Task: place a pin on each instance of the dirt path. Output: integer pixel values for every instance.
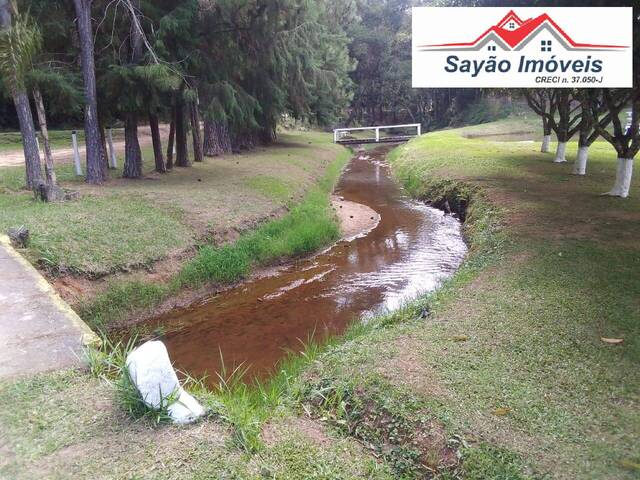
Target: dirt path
(12, 158)
(38, 331)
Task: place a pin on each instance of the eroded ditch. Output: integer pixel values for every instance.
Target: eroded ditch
(411, 250)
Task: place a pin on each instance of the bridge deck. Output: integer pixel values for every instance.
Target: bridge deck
(356, 141)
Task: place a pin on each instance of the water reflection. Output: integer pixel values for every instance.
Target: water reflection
(410, 251)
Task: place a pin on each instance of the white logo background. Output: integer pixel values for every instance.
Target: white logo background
(584, 25)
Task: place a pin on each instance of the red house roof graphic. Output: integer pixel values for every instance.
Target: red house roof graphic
(512, 33)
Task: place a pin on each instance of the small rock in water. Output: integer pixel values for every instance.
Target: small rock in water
(153, 375)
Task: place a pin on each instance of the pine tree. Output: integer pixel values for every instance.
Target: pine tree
(96, 167)
(19, 42)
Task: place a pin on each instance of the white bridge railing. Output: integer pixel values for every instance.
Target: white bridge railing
(340, 133)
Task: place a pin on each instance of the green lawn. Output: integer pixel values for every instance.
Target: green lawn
(128, 223)
(74, 429)
(510, 359)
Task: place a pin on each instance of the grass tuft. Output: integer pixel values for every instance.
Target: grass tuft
(120, 298)
(307, 227)
(108, 362)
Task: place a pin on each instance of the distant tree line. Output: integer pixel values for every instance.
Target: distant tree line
(237, 66)
(381, 45)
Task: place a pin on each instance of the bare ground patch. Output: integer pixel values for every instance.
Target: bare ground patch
(75, 428)
(308, 428)
(406, 367)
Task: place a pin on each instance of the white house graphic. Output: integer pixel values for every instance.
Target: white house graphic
(512, 33)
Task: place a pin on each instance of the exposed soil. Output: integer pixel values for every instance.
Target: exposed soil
(356, 219)
(76, 289)
(406, 368)
(305, 426)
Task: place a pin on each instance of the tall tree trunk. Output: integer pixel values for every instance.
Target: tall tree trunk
(580, 165)
(50, 175)
(624, 172)
(96, 171)
(161, 167)
(212, 141)
(266, 135)
(132, 153)
(195, 133)
(586, 127)
(225, 137)
(29, 144)
(182, 153)
(172, 136)
(546, 135)
(103, 140)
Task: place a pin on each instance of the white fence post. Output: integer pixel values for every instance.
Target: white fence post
(377, 134)
(419, 129)
(335, 136)
(113, 163)
(76, 154)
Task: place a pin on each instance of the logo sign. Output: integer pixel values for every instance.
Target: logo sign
(522, 47)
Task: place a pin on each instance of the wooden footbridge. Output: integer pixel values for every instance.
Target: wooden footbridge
(381, 134)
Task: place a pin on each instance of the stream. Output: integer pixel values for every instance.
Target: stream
(411, 250)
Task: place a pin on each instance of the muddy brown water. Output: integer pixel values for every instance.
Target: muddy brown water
(412, 249)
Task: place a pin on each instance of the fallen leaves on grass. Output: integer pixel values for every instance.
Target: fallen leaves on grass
(460, 338)
(502, 411)
(630, 465)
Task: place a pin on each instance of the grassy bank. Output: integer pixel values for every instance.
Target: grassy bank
(305, 228)
(131, 230)
(74, 429)
(132, 223)
(508, 371)
(500, 374)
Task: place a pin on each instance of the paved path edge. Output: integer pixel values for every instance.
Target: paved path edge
(89, 337)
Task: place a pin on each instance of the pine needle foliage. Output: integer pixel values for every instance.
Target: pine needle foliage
(18, 46)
